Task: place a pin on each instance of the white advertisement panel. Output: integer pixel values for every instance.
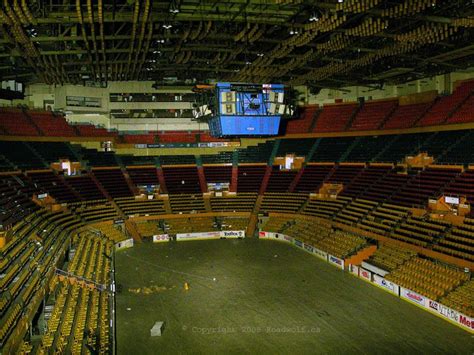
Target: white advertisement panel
(385, 284)
(287, 238)
(320, 254)
(232, 234)
(354, 269)
(336, 261)
(365, 274)
(413, 296)
(451, 314)
(275, 236)
(124, 244)
(158, 238)
(210, 235)
(308, 248)
(298, 243)
(203, 235)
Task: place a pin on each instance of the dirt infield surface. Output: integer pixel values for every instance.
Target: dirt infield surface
(263, 297)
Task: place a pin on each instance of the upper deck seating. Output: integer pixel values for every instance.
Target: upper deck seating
(334, 118)
(16, 123)
(372, 115)
(406, 116)
(52, 125)
(303, 123)
(446, 105)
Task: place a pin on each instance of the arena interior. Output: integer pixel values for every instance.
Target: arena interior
(241, 176)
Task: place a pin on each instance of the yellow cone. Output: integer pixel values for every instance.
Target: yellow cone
(186, 286)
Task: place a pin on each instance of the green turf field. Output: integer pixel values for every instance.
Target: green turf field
(268, 298)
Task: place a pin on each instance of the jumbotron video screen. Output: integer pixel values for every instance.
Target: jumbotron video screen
(245, 109)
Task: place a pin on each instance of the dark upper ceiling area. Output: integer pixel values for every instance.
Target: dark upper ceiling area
(330, 43)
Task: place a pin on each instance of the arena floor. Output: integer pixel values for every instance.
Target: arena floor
(267, 297)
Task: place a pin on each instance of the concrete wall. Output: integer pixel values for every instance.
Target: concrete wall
(38, 94)
(442, 83)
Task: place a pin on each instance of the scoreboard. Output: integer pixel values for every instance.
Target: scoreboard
(247, 109)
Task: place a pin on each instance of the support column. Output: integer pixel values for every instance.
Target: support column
(266, 177)
(161, 180)
(202, 179)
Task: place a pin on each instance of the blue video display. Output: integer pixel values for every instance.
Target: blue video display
(245, 125)
(247, 109)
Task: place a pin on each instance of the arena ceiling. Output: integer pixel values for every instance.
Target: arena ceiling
(330, 43)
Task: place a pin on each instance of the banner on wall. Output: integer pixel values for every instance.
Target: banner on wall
(451, 314)
(365, 274)
(203, 235)
(276, 236)
(413, 296)
(320, 254)
(187, 145)
(270, 235)
(354, 269)
(388, 285)
(336, 261)
(210, 235)
(124, 244)
(308, 248)
(287, 238)
(161, 238)
(232, 234)
(298, 243)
